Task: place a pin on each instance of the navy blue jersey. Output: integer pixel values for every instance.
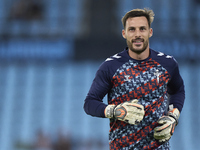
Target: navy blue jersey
(155, 82)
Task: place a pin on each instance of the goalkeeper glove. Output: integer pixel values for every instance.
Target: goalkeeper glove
(130, 112)
(168, 123)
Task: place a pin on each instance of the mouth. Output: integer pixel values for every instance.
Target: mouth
(137, 41)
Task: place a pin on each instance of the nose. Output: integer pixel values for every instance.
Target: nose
(137, 33)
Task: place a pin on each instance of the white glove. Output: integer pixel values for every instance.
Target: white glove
(168, 123)
(130, 112)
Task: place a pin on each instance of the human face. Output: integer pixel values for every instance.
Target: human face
(137, 34)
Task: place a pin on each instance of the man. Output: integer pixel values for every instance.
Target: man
(145, 90)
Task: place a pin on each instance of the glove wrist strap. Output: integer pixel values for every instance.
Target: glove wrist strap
(174, 114)
(109, 111)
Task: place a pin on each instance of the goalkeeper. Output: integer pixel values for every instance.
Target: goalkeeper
(144, 88)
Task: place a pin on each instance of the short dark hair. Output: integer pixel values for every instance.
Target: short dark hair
(149, 14)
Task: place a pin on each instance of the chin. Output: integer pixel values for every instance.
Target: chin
(137, 50)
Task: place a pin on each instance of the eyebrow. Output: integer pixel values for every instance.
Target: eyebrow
(131, 27)
(143, 26)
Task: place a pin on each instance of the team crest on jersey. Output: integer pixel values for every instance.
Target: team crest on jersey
(157, 74)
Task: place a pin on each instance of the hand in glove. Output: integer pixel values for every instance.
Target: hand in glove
(167, 125)
(130, 112)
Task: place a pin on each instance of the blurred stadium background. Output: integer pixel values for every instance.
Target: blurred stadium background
(50, 51)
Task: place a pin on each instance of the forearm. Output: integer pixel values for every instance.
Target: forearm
(94, 107)
(177, 99)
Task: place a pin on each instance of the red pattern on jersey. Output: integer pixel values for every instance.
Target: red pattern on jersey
(131, 90)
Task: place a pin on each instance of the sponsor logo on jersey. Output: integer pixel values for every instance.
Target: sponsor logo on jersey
(127, 78)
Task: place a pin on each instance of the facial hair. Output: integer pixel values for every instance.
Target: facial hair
(137, 51)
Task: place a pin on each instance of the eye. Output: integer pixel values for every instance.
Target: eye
(131, 29)
(142, 28)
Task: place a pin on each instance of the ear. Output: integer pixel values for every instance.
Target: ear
(123, 34)
(151, 32)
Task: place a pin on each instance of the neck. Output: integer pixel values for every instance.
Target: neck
(140, 56)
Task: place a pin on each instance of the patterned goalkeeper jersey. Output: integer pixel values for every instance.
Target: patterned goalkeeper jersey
(155, 82)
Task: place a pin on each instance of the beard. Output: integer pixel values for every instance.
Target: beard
(137, 50)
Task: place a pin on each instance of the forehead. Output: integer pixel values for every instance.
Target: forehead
(136, 22)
